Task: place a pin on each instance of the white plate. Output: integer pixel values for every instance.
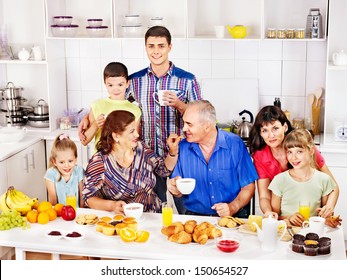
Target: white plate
(98, 233)
(307, 257)
(74, 238)
(226, 228)
(191, 244)
(54, 237)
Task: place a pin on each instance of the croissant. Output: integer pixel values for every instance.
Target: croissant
(189, 226)
(181, 237)
(200, 237)
(172, 229)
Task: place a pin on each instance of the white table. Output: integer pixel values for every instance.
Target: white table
(157, 247)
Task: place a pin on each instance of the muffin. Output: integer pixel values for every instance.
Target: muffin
(114, 223)
(311, 242)
(108, 229)
(130, 223)
(298, 237)
(298, 245)
(312, 236)
(119, 226)
(118, 218)
(324, 246)
(311, 250)
(106, 219)
(99, 225)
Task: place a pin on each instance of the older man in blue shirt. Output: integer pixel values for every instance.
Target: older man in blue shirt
(218, 160)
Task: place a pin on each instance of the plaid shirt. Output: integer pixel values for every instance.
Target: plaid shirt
(158, 122)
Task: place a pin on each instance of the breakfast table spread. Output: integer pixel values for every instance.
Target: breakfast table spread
(96, 244)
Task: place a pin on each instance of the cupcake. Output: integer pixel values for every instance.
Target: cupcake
(298, 237)
(311, 236)
(324, 245)
(114, 223)
(311, 242)
(106, 219)
(298, 245)
(324, 240)
(99, 225)
(311, 250)
(119, 226)
(118, 218)
(130, 223)
(108, 229)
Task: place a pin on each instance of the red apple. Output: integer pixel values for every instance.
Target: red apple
(68, 213)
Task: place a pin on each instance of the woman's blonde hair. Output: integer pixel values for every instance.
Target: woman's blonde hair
(61, 143)
(301, 138)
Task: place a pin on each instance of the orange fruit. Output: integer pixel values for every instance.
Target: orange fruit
(44, 206)
(127, 234)
(52, 214)
(58, 207)
(32, 216)
(43, 218)
(142, 236)
(119, 227)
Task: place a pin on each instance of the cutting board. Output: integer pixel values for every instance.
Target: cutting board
(231, 96)
(246, 228)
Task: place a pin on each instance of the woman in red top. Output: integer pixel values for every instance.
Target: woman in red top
(265, 143)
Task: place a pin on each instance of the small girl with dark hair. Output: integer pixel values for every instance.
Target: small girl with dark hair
(303, 182)
(63, 177)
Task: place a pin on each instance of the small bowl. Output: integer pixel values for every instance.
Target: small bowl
(64, 31)
(228, 243)
(94, 22)
(132, 19)
(62, 20)
(97, 31)
(185, 185)
(133, 210)
(132, 30)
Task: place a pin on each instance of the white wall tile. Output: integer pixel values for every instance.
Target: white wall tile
(135, 64)
(223, 49)
(72, 48)
(91, 74)
(199, 49)
(88, 97)
(246, 69)
(317, 51)
(223, 68)
(246, 50)
(265, 100)
(295, 105)
(133, 48)
(110, 48)
(293, 78)
(90, 48)
(315, 76)
(75, 99)
(293, 50)
(201, 68)
(270, 50)
(179, 49)
(182, 63)
(270, 78)
(73, 73)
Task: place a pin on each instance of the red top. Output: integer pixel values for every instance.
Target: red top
(268, 167)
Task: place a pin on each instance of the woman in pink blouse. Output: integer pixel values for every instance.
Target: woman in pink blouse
(265, 143)
(122, 171)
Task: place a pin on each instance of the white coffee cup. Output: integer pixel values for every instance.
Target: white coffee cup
(219, 29)
(314, 224)
(185, 185)
(160, 96)
(133, 210)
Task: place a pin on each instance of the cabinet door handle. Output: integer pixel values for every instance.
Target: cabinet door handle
(32, 159)
(26, 165)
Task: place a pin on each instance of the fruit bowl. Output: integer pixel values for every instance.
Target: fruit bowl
(94, 22)
(228, 243)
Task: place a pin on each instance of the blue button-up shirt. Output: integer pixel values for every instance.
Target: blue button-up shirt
(229, 169)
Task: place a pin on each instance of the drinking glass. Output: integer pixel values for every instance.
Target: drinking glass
(71, 199)
(304, 209)
(167, 213)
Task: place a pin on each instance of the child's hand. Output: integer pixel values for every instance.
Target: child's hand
(100, 120)
(325, 212)
(296, 219)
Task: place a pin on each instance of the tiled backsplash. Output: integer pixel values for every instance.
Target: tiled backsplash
(287, 69)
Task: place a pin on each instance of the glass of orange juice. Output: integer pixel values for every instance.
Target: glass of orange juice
(71, 199)
(304, 209)
(167, 213)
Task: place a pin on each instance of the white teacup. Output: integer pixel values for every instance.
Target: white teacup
(315, 224)
(133, 210)
(185, 185)
(160, 96)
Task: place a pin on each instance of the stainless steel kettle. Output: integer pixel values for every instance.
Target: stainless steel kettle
(245, 127)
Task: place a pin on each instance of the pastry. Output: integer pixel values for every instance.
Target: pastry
(298, 245)
(200, 237)
(99, 226)
(108, 229)
(118, 217)
(224, 221)
(311, 236)
(311, 250)
(189, 226)
(106, 219)
(181, 237)
(172, 229)
(231, 224)
(119, 226)
(310, 242)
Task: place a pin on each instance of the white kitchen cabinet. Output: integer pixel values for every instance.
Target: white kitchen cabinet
(25, 171)
(337, 163)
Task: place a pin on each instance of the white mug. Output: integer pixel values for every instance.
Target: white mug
(160, 96)
(314, 224)
(219, 29)
(37, 53)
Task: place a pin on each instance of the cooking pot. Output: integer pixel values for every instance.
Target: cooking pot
(245, 127)
(10, 104)
(11, 92)
(41, 108)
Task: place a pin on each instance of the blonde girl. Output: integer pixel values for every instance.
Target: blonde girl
(302, 182)
(63, 176)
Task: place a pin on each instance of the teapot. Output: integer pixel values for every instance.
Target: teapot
(268, 234)
(340, 58)
(238, 31)
(245, 127)
(23, 54)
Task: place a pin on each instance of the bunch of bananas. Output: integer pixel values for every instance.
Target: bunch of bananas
(16, 200)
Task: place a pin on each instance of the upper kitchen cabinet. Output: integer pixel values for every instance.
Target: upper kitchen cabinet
(80, 11)
(335, 124)
(285, 14)
(204, 15)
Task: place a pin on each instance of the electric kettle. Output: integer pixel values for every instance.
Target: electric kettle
(245, 127)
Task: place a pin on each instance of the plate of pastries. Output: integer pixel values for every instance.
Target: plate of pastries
(191, 232)
(229, 222)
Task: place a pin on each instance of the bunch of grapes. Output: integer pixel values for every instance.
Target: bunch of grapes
(12, 219)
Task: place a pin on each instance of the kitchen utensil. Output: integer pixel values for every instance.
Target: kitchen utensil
(318, 94)
(11, 92)
(41, 108)
(245, 127)
(311, 99)
(314, 24)
(238, 31)
(268, 234)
